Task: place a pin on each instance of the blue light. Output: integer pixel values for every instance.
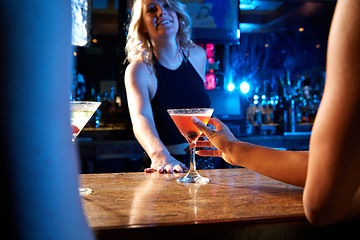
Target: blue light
(246, 6)
(230, 87)
(238, 33)
(244, 87)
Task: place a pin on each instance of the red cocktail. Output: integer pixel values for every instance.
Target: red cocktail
(182, 119)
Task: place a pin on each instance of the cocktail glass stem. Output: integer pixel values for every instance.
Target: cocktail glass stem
(192, 170)
(192, 159)
(193, 176)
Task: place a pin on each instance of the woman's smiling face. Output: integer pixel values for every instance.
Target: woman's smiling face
(159, 19)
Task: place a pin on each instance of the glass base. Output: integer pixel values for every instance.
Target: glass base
(194, 177)
(85, 191)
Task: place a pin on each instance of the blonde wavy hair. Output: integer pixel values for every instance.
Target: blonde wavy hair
(138, 45)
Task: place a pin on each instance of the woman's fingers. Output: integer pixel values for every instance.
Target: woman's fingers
(169, 168)
(177, 168)
(150, 170)
(160, 169)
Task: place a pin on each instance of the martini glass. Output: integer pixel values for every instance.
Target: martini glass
(81, 113)
(182, 119)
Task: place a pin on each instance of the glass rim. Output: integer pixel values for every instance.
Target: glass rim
(199, 109)
(84, 105)
(85, 102)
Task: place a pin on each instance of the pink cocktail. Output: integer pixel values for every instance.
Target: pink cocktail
(182, 119)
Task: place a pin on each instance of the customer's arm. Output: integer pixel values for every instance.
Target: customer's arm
(139, 90)
(286, 166)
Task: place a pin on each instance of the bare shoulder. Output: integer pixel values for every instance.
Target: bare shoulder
(197, 54)
(138, 71)
(138, 68)
(140, 78)
(197, 57)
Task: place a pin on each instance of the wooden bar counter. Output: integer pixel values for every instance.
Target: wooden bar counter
(236, 204)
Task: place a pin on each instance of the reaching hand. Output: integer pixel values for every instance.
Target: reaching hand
(168, 165)
(221, 139)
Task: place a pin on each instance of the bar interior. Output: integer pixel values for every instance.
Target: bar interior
(265, 74)
(264, 68)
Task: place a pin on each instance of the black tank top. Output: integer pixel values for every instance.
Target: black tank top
(180, 88)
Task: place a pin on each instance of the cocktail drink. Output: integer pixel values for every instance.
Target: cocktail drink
(81, 113)
(182, 119)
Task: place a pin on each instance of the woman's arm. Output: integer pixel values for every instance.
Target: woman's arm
(139, 90)
(332, 187)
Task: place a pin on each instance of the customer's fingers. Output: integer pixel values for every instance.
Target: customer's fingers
(209, 153)
(201, 126)
(204, 144)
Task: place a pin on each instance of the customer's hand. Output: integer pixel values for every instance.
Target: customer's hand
(221, 139)
(166, 165)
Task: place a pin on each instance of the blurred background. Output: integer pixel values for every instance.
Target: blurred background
(265, 72)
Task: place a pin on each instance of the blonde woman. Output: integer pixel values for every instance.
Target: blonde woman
(166, 71)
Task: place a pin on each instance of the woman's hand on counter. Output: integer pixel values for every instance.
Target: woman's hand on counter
(166, 165)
